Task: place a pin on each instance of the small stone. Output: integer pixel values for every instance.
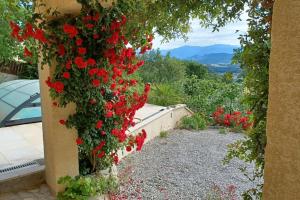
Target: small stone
(25, 195)
(34, 190)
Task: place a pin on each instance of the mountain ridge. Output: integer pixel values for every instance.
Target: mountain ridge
(187, 51)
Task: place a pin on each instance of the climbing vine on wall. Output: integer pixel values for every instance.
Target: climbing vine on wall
(254, 59)
(93, 57)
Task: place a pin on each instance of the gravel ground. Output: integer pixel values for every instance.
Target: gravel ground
(185, 165)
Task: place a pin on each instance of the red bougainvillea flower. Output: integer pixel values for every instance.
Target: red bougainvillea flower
(147, 88)
(96, 17)
(89, 26)
(15, 31)
(133, 82)
(28, 31)
(81, 64)
(58, 86)
(27, 53)
(93, 71)
(237, 113)
(91, 62)
(109, 114)
(79, 141)
(96, 83)
(40, 35)
(79, 42)
(70, 30)
(66, 75)
(140, 139)
(61, 50)
(116, 159)
(96, 36)
(62, 122)
(109, 105)
(82, 51)
(99, 124)
(123, 21)
(113, 86)
(69, 64)
(102, 143)
(115, 25)
(113, 39)
(101, 155)
(128, 148)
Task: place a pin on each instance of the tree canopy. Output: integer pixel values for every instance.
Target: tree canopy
(16, 10)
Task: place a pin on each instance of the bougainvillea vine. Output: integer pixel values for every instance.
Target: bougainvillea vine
(93, 60)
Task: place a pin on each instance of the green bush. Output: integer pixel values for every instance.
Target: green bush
(194, 122)
(165, 95)
(223, 130)
(84, 187)
(163, 134)
(159, 69)
(196, 69)
(206, 95)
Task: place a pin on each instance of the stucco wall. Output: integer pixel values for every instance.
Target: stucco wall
(282, 170)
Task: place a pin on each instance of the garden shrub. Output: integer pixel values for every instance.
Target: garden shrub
(206, 95)
(165, 95)
(81, 188)
(236, 120)
(163, 134)
(196, 69)
(159, 69)
(194, 122)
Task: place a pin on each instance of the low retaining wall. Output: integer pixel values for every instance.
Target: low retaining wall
(163, 120)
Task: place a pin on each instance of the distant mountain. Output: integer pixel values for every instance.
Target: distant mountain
(216, 57)
(186, 52)
(213, 58)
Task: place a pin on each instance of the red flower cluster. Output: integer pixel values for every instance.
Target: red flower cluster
(236, 119)
(93, 67)
(70, 30)
(137, 141)
(58, 86)
(28, 32)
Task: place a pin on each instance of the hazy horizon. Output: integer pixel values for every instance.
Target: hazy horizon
(200, 36)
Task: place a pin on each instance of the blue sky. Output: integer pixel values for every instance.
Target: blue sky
(203, 37)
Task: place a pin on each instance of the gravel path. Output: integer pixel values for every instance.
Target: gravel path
(185, 165)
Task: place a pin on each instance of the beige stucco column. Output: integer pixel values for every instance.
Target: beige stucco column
(61, 154)
(282, 169)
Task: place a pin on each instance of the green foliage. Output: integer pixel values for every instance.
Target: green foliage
(163, 134)
(254, 59)
(194, 122)
(16, 10)
(228, 77)
(196, 69)
(171, 19)
(223, 130)
(81, 188)
(159, 69)
(29, 71)
(165, 95)
(206, 95)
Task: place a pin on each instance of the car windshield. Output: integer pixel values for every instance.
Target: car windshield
(19, 102)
